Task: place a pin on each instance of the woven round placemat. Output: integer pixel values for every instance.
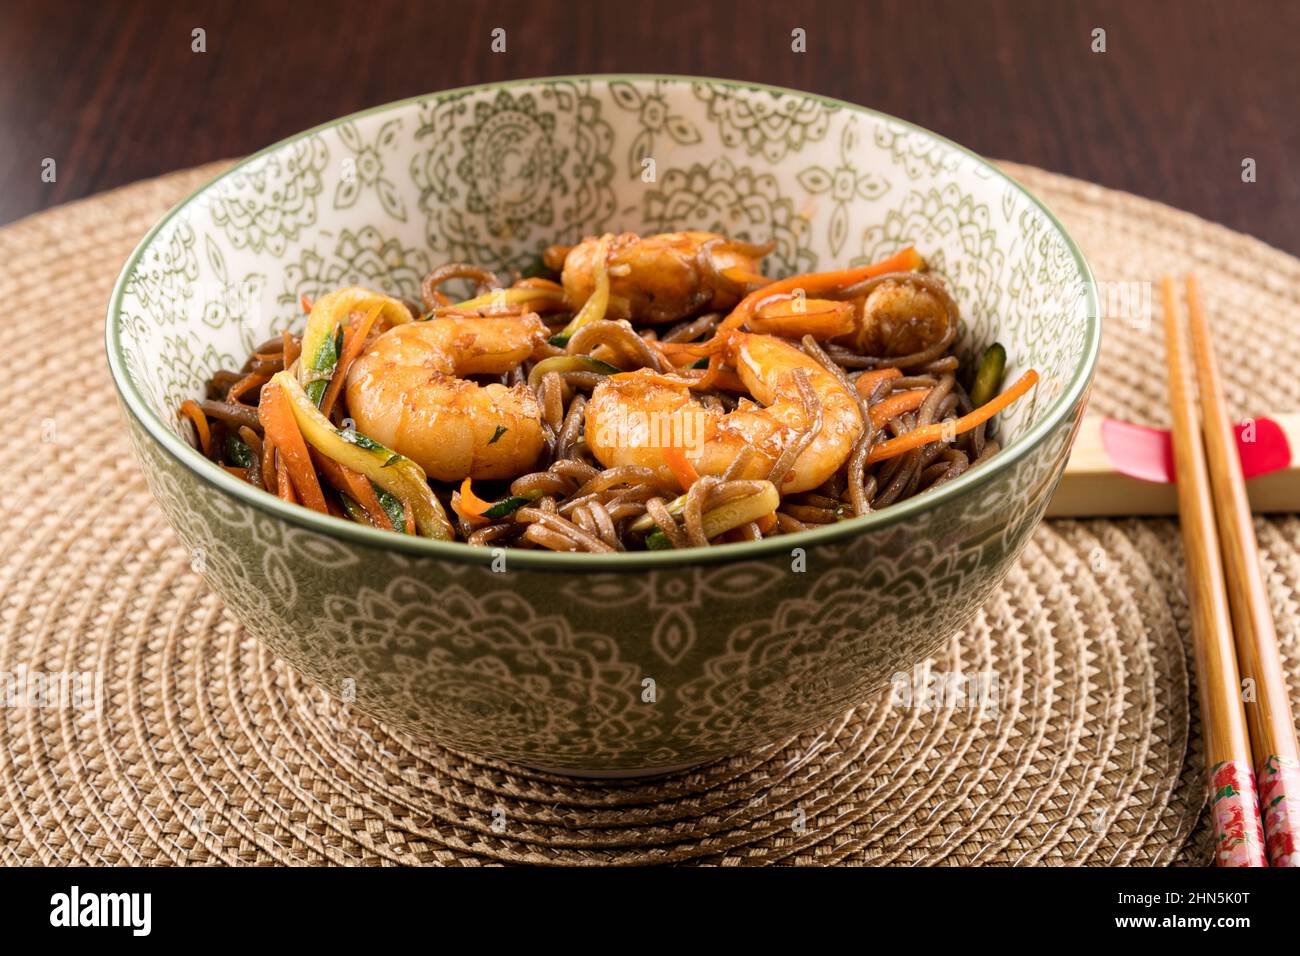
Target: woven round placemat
(205, 749)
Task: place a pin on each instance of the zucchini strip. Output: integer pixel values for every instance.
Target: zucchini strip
(502, 300)
(988, 380)
(569, 363)
(731, 514)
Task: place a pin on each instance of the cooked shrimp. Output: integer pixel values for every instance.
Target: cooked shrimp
(901, 315)
(408, 391)
(659, 278)
(893, 315)
(632, 417)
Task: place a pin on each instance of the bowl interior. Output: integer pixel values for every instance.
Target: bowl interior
(493, 174)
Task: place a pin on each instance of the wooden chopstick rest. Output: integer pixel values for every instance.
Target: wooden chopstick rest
(1118, 469)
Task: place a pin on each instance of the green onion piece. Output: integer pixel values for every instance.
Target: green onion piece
(732, 514)
(237, 453)
(656, 540)
(506, 506)
(394, 473)
(988, 380)
(569, 363)
(496, 435)
(700, 363)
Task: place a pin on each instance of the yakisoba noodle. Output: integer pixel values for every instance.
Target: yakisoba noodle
(654, 392)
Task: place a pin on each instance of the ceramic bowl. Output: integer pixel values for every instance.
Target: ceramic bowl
(588, 664)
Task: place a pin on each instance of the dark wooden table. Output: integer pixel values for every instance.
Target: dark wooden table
(1183, 94)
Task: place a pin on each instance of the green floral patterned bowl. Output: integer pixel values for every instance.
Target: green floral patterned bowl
(585, 663)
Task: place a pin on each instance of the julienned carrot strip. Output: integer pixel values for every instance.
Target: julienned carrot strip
(905, 260)
(942, 431)
(355, 486)
(469, 505)
(291, 348)
(682, 469)
(538, 282)
(283, 485)
(190, 409)
(269, 474)
(867, 381)
(354, 342)
(278, 422)
(890, 408)
(767, 522)
(408, 517)
(787, 315)
(363, 493)
(305, 303)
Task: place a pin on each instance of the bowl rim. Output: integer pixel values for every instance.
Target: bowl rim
(545, 560)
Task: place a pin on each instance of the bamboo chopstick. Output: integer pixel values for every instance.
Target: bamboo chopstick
(1268, 705)
(1238, 831)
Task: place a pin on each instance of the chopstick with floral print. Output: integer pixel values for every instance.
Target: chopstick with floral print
(1267, 703)
(1234, 807)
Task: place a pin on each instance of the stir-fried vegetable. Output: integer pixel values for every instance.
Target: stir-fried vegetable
(282, 425)
(352, 343)
(681, 467)
(322, 340)
(477, 511)
(539, 297)
(191, 410)
(988, 379)
(238, 453)
(361, 491)
(394, 473)
(730, 514)
(945, 431)
(569, 363)
(890, 408)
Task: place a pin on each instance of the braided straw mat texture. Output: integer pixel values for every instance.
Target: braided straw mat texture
(208, 750)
